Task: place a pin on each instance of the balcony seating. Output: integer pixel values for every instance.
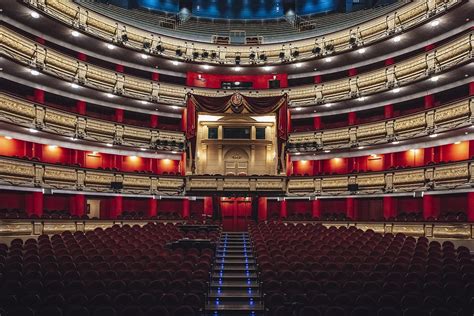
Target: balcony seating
(315, 270)
(273, 31)
(117, 271)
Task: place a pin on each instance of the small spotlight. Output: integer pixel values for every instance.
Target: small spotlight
(8, 137)
(456, 143)
(109, 145)
(175, 63)
(433, 135)
(34, 72)
(142, 149)
(32, 130)
(327, 151)
(360, 99)
(298, 65)
(174, 107)
(34, 15)
(360, 147)
(75, 33)
(328, 105)
(109, 95)
(73, 139)
(397, 38)
(396, 142)
(174, 152)
(361, 51)
(396, 90)
(328, 59)
(144, 56)
(237, 83)
(298, 109)
(237, 68)
(110, 46)
(207, 67)
(434, 79)
(434, 23)
(267, 68)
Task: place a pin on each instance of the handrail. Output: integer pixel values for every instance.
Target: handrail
(25, 113)
(450, 116)
(446, 56)
(108, 29)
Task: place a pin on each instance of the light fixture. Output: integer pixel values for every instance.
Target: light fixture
(360, 99)
(108, 145)
(328, 59)
(456, 143)
(8, 137)
(360, 147)
(34, 72)
(74, 86)
(434, 135)
(34, 14)
(175, 62)
(143, 102)
(52, 146)
(298, 109)
(110, 46)
(397, 38)
(75, 33)
(297, 154)
(434, 23)
(142, 149)
(267, 68)
(395, 142)
(95, 153)
(144, 56)
(32, 130)
(361, 50)
(207, 67)
(174, 152)
(237, 68)
(434, 79)
(237, 83)
(298, 65)
(133, 157)
(73, 139)
(396, 90)
(175, 107)
(328, 105)
(109, 95)
(327, 151)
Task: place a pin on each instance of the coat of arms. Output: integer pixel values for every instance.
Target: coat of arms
(236, 102)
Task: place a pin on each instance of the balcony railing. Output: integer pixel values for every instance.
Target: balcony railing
(25, 113)
(110, 30)
(447, 56)
(447, 117)
(448, 176)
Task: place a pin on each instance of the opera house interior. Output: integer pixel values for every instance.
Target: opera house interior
(236, 157)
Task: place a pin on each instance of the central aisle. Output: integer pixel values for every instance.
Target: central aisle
(235, 288)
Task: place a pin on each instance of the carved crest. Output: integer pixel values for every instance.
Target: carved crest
(237, 103)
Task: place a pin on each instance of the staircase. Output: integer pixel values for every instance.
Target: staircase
(234, 288)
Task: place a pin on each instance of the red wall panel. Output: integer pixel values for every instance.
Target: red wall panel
(214, 81)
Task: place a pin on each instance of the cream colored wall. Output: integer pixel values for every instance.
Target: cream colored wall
(94, 207)
(260, 155)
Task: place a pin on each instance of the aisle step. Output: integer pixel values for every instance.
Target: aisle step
(234, 283)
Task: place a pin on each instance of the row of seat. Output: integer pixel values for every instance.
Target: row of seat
(127, 270)
(345, 271)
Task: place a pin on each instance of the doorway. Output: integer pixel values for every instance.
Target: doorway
(236, 212)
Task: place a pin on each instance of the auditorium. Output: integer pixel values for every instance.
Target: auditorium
(236, 158)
